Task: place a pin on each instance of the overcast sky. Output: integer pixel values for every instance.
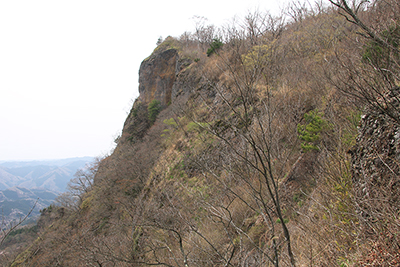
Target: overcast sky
(69, 69)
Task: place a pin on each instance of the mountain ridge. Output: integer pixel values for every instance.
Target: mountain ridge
(248, 163)
(51, 174)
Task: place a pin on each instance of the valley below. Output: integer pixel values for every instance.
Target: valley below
(30, 186)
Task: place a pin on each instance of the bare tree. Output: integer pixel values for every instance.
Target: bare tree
(370, 73)
(7, 229)
(204, 33)
(78, 186)
(248, 161)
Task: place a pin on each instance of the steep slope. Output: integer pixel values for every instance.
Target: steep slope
(240, 158)
(166, 181)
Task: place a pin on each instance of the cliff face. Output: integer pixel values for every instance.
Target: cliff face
(157, 76)
(165, 76)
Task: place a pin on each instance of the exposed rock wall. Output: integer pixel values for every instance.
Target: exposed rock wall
(376, 165)
(166, 75)
(156, 77)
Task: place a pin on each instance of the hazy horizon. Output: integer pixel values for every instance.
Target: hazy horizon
(53, 159)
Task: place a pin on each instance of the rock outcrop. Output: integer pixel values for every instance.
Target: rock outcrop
(165, 75)
(376, 164)
(156, 77)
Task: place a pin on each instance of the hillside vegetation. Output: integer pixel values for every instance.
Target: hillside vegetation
(273, 141)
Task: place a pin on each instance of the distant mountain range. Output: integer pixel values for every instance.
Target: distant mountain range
(16, 202)
(24, 182)
(51, 175)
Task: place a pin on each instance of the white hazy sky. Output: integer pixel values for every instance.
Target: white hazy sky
(69, 68)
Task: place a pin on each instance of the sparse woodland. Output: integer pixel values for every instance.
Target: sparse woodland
(280, 146)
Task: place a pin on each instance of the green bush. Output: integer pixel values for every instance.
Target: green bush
(170, 122)
(196, 126)
(310, 132)
(214, 46)
(285, 220)
(153, 109)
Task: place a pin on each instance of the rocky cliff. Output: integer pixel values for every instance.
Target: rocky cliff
(166, 76)
(158, 74)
